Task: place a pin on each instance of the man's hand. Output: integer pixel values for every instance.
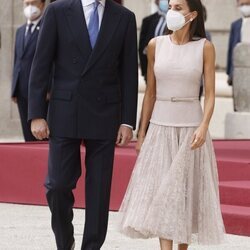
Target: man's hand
(230, 81)
(125, 134)
(48, 96)
(40, 129)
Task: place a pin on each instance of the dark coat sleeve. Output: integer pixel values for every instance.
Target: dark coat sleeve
(18, 50)
(230, 51)
(14, 67)
(234, 38)
(129, 75)
(42, 65)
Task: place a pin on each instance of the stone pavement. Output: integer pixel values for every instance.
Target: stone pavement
(28, 228)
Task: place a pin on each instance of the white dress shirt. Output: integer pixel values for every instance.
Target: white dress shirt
(34, 25)
(245, 30)
(87, 10)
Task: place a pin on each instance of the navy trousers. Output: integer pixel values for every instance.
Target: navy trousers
(63, 173)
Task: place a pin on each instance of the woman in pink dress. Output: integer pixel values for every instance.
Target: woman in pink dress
(173, 192)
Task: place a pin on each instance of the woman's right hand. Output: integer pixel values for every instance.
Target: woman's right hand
(139, 143)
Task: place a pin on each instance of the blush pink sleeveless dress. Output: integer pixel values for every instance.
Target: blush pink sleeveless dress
(173, 192)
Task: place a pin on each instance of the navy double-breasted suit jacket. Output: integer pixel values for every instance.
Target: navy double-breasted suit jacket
(94, 90)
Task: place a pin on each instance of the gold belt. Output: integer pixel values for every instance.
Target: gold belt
(178, 99)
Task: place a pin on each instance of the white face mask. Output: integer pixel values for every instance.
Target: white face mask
(175, 20)
(245, 10)
(32, 12)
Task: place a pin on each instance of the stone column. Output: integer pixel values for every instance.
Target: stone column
(241, 86)
(238, 123)
(141, 8)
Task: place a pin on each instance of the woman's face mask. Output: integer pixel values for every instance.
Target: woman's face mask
(176, 20)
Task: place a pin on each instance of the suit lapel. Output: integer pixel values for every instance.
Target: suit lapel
(78, 27)
(33, 36)
(35, 33)
(109, 24)
(154, 24)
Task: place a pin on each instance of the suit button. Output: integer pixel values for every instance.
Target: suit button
(75, 60)
(99, 99)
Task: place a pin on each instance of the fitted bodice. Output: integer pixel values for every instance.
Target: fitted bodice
(178, 71)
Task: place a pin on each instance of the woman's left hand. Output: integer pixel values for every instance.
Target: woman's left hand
(199, 137)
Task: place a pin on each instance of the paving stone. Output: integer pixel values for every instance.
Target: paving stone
(28, 228)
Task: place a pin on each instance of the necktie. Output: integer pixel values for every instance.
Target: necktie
(93, 26)
(161, 27)
(28, 34)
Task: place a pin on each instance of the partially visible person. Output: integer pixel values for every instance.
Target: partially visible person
(93, 46)
(240, 32)
(25, 46)
(152, 26)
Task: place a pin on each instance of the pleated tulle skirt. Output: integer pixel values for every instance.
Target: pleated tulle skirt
(173, 191)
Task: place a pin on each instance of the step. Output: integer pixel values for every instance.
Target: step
(233, 169)
(232, 145)
(236, 219)
(233, 153)
(235, 193)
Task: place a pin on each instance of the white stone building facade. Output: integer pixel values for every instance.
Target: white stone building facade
(220, 15)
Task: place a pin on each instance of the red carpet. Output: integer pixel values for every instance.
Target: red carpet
(23, 169)
(233, 158)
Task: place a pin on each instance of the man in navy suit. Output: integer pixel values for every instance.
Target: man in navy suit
(93, 47)
(25, 45)
(239, 28)
(152, 26)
